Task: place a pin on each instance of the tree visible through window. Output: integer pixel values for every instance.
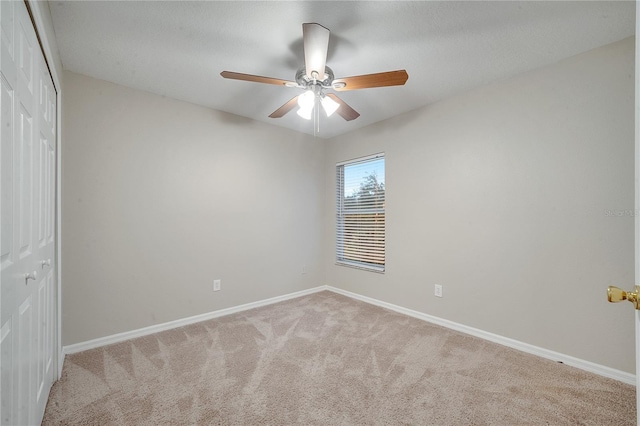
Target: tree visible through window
(360, 213)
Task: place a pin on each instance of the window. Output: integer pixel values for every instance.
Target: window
(360, 216)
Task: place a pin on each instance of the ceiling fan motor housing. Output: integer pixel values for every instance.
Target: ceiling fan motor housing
(305, 81)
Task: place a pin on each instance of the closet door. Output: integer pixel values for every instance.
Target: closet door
(45, 219)
(27, 199)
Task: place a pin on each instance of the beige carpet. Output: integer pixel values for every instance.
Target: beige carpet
(325, 359)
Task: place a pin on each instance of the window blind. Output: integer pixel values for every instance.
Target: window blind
(360, 213)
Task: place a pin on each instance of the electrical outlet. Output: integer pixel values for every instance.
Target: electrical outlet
(438, 290)
(216, 285)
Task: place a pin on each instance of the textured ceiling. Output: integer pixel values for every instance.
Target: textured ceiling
(178, 49)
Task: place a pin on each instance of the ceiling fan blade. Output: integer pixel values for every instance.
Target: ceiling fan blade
(285, 108)
(381, 79)
(345, 110)
(316, 43)
(258, 79)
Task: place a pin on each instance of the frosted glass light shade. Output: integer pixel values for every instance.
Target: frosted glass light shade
(330, 106)
(306, 100)
(305, 112)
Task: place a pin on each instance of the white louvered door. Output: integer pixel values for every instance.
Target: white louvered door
(27, 206)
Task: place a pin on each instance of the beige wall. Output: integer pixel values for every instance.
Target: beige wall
(161, 197)
(501, 196)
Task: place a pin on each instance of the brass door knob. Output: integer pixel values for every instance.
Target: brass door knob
(615, 294)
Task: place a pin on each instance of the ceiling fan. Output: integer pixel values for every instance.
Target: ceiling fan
(315, 78)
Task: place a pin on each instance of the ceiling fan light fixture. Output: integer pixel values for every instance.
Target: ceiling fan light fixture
(307, 99)
(330, 106)
(305, 112)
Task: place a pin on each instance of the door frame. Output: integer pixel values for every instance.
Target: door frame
(637, 202)
(41, 31)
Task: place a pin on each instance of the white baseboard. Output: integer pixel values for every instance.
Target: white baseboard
(127, 335)
(591, 367)
(60, 362)
(505, 341)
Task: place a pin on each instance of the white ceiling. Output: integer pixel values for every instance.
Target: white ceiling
(178, 49)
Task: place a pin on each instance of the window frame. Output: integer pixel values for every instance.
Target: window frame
(341, 213)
